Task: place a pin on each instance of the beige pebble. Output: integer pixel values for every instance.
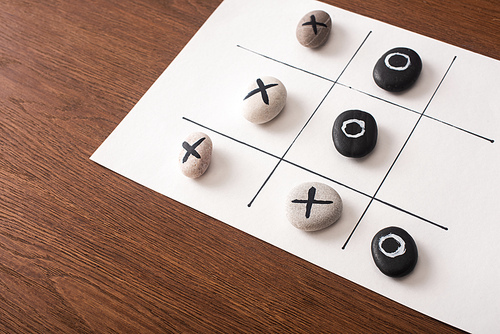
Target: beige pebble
(195, 155)
(313, 206)
(265, 98)
(314, 28)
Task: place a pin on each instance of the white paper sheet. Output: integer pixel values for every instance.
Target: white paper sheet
(443, 187)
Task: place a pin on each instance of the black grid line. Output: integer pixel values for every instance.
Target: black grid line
(232, 138)
(317, 174)
(399, 154)
(309, 119)
(286, 64)
(366, 93)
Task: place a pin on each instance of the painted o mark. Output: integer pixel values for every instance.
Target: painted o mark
(361, 124)
(397, 68)
(398, 252)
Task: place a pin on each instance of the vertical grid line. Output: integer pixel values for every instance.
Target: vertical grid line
(308, 120)
(399, 153)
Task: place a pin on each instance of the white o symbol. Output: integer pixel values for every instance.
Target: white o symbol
(401, 249)
(361, 124)
(397, 68)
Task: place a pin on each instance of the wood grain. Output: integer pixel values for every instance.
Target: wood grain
(84, 250)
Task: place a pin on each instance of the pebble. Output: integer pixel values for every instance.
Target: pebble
(354, 133)
(313, 206)
(314, 28)
(265, 98)
(397, 70)
(394, 251)
(195, 155)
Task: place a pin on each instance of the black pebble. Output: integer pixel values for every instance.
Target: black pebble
(354, 133)
(397, 69)
(400, 251)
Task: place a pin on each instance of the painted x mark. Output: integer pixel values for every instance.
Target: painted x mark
(310, 201)
(191, 149)
(314, 24)
(262, 89)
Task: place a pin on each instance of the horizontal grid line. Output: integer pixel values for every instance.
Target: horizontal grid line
(367, 94)
(317, 174)
(232, 138)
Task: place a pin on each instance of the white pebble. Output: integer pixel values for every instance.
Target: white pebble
(314, 28)
(313, 206)
(195, 155)
(265, 98)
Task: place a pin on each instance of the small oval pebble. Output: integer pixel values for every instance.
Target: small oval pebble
(314, 28)
(397, 69)
(354, 133)
(313, 206)
(394, 251)
(195, 155)
(265, 98)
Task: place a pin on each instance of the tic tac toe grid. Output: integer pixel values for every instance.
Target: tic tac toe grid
(338, 86)
(436, 141)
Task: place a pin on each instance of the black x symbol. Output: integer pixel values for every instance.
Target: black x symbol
(314, 24)
(191, 150)
(310, 201)
(262, 90)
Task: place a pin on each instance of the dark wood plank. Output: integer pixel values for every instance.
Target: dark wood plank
(85, 250)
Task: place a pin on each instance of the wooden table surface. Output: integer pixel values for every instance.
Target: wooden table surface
(83, 249)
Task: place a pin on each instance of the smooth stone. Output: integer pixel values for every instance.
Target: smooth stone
(394, 251)
(314, 28)
(397, 70)
(313, 206)
(265, 98)
(195, 155)
(354, 133)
